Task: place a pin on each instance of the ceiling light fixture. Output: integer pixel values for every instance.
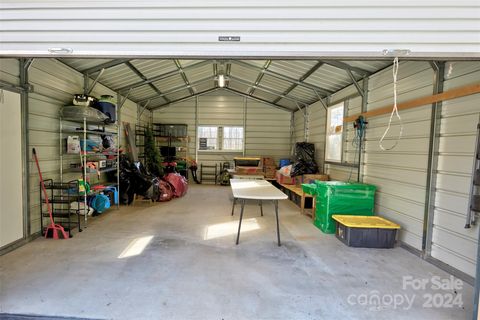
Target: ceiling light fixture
(221, 80)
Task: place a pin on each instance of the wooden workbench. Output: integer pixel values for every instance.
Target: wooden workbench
(296, 191)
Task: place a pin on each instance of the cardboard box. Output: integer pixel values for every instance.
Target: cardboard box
(267, 161)
(283, 179)
(270, 172)
(248, 170)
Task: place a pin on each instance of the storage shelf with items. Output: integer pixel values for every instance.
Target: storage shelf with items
(172, 141)
(89, 152)
(65, 200)
(174, 149)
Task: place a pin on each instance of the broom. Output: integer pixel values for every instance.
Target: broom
(52, 228)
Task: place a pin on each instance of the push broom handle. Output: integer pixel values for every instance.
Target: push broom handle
(43, 185)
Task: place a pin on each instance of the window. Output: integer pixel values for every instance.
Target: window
(211, 138)
(333, 150)
(207, 138)
(233, 138)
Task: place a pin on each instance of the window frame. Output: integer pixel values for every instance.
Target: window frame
(221, 139)
(334, 131)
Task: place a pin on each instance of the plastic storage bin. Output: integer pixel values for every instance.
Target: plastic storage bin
(365, 231)
(284, 162)
(170, 130)
(337, 197)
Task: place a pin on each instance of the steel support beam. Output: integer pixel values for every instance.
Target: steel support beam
(90, 87)
(176, 89)
(184, 99)
(257, 99)
(303, 78)
(106, 65)
(433, 146)
(143, 109)
(184, 76)
(261, 88)
(163, 76)
(285, 78)
(142, 76)
(355, 83)
(360, 151)
(121, 101)
(345, 66)
(267, 64)
(25, 65)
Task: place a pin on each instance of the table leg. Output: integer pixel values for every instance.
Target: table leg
(302, 203)
(261, 207)
(233, 207)
(242, 201)
(275, 203)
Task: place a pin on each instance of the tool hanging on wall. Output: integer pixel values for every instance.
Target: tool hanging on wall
(394, 110)
(52, 230)
(360, 125)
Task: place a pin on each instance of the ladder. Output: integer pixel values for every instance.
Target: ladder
(208, 173)
(474, 199)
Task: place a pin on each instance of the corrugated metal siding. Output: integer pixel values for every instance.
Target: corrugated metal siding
(400, 174)
(267, 28)
(54, 85)
(267, 129)
(452, 243)
(316, 128)
(299, 128)
(10, 71)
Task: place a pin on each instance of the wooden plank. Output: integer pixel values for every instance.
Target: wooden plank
(447, 95)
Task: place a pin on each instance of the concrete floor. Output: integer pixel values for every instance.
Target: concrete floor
(191, 269)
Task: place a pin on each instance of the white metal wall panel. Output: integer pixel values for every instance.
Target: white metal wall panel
(267, 130)
(11, 167)
(316, 128)
(10, 71)
(452, 243)
(54, 85)
(400, 174)
(266, 28)
(299, 127)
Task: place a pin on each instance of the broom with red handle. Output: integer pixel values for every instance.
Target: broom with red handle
(55, 228)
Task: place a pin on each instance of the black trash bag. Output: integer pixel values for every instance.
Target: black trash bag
(303, 167)
(134, 179)
(304, 151)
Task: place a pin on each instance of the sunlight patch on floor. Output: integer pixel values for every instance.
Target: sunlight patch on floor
(135, 247)
(228, 228)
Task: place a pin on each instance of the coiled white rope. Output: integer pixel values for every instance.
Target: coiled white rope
(394, 110)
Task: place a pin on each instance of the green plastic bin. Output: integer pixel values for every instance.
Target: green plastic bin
(338, 197)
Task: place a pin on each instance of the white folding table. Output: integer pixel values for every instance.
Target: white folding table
(246, 189)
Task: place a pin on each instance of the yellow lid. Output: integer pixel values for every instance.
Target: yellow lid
(365, 222)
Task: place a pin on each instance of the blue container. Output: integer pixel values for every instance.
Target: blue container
(108, 109)
(284, 162)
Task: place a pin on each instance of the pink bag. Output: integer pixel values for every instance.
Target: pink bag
(179, 183)
(166, 191)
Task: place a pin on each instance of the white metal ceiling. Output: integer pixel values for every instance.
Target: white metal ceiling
(287, 84)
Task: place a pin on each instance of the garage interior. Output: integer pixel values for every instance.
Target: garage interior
(278, 103)
(387, 95)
